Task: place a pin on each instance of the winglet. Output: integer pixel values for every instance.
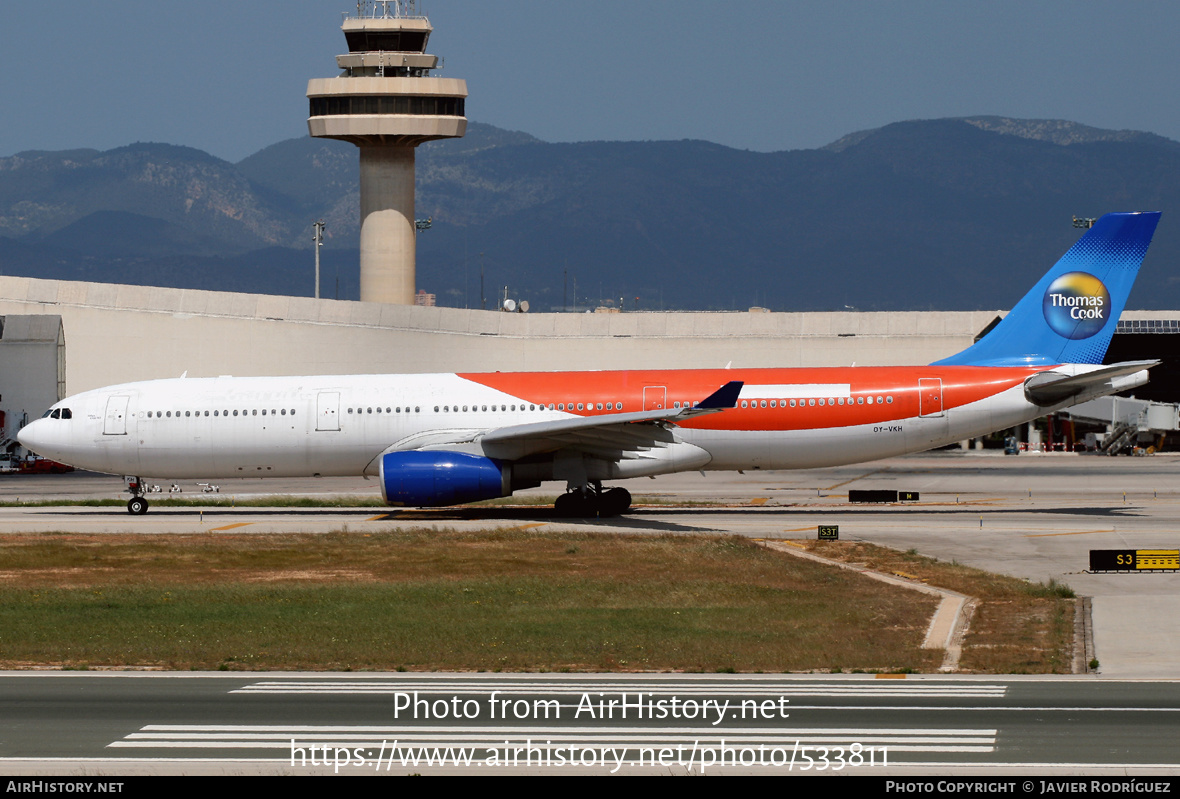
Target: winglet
(723, 398)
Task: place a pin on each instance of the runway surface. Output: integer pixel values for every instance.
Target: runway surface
(501, 724)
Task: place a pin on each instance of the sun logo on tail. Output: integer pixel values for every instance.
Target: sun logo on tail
(1076, 305)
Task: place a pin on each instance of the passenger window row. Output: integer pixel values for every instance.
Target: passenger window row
(188, 414)
(390, 409)
(65, 413)
(589, 406)
(885, 399)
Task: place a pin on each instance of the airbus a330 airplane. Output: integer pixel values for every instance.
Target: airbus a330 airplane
(443, 439)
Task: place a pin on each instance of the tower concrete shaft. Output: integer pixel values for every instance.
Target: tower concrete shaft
(388, 237)
(386, 102)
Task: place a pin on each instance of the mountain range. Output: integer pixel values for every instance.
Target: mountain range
(941, 214)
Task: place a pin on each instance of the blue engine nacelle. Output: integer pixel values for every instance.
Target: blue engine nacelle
(427, 479)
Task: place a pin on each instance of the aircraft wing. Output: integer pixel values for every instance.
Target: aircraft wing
(609, 436)
(1053, 388)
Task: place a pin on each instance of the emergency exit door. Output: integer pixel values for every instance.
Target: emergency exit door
(655, 398)
(327, 411)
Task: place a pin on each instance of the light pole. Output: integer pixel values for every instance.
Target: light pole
(318, 239)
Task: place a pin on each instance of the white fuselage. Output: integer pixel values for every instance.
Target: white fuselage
(340, 425)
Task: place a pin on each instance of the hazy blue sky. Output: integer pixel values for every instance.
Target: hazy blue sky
(230, 78)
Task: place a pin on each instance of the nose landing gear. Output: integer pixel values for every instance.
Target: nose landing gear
(137, 505)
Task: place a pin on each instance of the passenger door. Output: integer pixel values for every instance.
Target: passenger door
(115, 423)
(929, 396)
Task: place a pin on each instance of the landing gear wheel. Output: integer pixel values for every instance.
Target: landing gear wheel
(576, 504)
(614, 501)
(137, 506)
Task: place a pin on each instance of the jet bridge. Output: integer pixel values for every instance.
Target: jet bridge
(1129, 422)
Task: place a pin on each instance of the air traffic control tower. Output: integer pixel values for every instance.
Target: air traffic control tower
(387, 103)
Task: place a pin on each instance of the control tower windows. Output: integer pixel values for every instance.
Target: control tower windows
(416, 106)
(396, 41)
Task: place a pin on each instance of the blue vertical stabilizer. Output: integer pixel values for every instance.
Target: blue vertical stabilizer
(1070, 315)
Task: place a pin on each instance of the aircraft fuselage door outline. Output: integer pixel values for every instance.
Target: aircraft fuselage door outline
(327, 416)
(115, 423)
(655, 398)
(929, 396)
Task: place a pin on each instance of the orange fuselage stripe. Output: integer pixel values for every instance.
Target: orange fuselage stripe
(960, 385)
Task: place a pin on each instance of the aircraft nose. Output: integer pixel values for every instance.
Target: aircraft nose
(32, 436)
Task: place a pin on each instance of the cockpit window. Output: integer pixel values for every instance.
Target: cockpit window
(66, 414)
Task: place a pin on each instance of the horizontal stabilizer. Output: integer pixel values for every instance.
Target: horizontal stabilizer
(1053, 388)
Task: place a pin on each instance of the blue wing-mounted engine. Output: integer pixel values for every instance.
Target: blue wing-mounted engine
(431, 478)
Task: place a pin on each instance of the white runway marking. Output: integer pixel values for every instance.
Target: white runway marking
(394, 686)
(249, 736)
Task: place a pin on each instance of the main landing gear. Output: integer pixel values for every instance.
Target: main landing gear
(591, 501)
(137, 505)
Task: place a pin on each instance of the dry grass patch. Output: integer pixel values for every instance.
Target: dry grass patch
(425, 600)
(1019, 627)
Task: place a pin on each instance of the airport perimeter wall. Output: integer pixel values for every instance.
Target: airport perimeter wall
(120, 333)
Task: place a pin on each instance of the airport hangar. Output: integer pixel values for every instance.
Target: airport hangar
(62, 337)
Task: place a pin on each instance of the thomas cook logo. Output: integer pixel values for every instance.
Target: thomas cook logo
(1076, 305)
